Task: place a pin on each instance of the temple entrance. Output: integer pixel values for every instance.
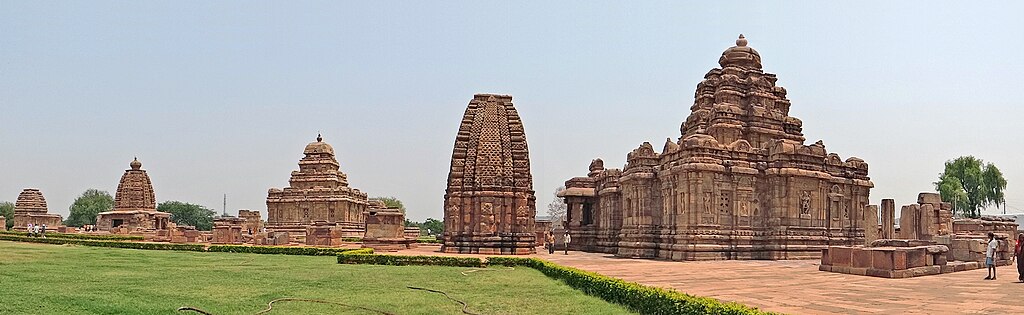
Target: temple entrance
(116, 222)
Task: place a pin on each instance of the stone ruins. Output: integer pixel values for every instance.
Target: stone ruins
(227, 230)
(30, 208)
(253, 221)
(385, 228)
(929, 241)
(740, 183)
(489, 205)
(134, 205)
(317, 197)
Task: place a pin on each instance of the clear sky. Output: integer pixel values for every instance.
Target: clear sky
(220, 97)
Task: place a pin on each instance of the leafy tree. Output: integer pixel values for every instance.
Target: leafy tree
(7, 211)
(87, 206)
(391, 202)
(557, 209)
(411, 223)
(970, 185)
(188, 214)
(435, 226)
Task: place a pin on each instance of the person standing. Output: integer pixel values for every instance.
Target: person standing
(1018, 254)
(549, 242)
(990, 256)
(31, 232)
(42, 231)
(567, 239)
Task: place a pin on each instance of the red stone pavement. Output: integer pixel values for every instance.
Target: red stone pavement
(797, 287)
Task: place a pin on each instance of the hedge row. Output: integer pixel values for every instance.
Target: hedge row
(99, 243)
(357, 257)
(282, 250)
(80, 236)
(640, 298)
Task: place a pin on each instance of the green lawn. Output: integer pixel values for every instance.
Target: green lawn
(54, 279)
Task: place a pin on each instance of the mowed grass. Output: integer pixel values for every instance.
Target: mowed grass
(61, 279)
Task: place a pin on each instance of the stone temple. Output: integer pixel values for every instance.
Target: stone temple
(134, 204)
(740, 183)
(30, 208)
(317, 194)
(489, 205)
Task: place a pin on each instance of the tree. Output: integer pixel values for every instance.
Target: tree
(557, 209)
(391, 202)
(87, 206)
(188, 214)
(7, 211)
(970, 185)
(432, 226)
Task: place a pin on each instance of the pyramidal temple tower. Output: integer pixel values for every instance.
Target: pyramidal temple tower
(489, 205)
(134, 204)
(30, 208)
(739, 183)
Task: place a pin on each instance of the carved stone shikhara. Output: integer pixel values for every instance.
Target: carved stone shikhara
(738, 184)
(317, 193)
(489, 204)
(30, 208)
(134, 205)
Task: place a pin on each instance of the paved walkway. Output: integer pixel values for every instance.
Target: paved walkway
(797, 287)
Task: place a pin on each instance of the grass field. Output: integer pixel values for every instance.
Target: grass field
(53, 279)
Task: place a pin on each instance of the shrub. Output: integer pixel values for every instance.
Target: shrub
(99, 243)
(640, 298)
(398, 260)
(281, 250)
(81, 236)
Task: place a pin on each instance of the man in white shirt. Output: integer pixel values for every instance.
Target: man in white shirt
(990, 256)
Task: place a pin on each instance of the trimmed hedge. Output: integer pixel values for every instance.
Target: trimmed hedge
(80, 236)
(98, 243)
(356, 257)
(282, 250)
(641, 298)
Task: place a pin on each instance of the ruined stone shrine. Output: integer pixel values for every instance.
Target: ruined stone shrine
(134, 205)
(253, 221)
(489, 205)
(30, 208)
(740, 183)
(317, 192)
(385, 228)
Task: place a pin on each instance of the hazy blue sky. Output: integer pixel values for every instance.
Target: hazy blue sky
(221, 97)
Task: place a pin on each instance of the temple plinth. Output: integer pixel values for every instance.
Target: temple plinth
(489, 204)
(739, 183)
(134, 205)
(317, 193)
(30, 208)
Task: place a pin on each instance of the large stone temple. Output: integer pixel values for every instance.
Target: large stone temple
(317, 194)
(134, 204)
(489, 205)
(740, 183)
(30, 208)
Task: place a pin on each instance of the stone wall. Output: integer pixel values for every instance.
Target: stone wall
(385, 230)
(323, 234)
(253, 221)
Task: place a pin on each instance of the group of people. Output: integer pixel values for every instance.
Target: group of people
(36, 230)
(549, 242)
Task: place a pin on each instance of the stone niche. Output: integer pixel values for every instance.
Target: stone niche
(30, 208)
(134, 205)
(385, 229)
(489, 204)
(740, 182)
(227, 230)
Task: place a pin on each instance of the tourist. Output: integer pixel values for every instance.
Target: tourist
(42, 231)
(29, 229)
(549, 242)
(990, 256)
(36, 230)
(1018, 254)
(567, 239)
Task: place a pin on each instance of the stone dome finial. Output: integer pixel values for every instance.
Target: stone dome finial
(740, 56)
(136, 164)
(742, 41)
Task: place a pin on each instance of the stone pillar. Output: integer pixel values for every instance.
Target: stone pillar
(870, 224)
(910, 222)
(888, 219)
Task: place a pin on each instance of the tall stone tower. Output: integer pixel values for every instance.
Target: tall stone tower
(134, 204)
(489, 206)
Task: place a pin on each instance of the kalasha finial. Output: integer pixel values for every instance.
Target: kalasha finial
(135, 164)
(742, 41)
(319, 138)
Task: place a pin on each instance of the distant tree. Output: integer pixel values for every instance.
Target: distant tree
(188, 214)
(434, 226)
(7, 211)
(557, 209)
(970, 185)
(411, 223)
(85, 208)
(391, 202)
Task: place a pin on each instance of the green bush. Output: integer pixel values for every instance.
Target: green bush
(99, 243)
(640, 298)
(281, 250)
(81, 236)
(398, 260)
